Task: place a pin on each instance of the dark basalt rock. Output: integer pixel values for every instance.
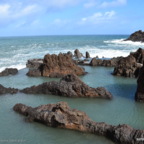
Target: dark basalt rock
(60, 115)
(9, 71)
(107, 63)
(56, 66)
(127, 67)
(87, 55)
(139, 96)
(4, 90)
(138, 55)
(69, 86)
(137, 36)
(77, 54)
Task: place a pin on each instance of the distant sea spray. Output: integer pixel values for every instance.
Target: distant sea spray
(15, 51)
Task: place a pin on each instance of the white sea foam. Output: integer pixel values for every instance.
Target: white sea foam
(108, 53)
(122, 42)
(18, 66)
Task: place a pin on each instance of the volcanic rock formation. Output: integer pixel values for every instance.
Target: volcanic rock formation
(137, 36)
(127, 67)
(56, 66)
(69, 86)
(9, 71)
(139, 96)
(4, 90)
(60, 115)
(108, 63)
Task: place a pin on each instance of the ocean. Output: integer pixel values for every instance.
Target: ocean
(122, 109)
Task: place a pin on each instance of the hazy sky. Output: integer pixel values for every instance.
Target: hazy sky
(56, 17)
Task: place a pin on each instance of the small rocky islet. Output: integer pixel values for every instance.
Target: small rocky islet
(60, 115)
(67, 67)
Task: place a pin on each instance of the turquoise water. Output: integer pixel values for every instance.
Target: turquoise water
(121, 109)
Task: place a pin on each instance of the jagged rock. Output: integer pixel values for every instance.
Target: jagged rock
(77, 54)
(9, 71)
(139, 96)
(139, 55)
(69, 86)
(56, 66)
(4, 90)
(34, 63)
(87, 55)
(127, 67)
(96, 62)
(137, 36)
(70, 54)
(108, 63)
(60, 115)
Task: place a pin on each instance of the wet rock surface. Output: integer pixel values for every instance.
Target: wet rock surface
(60, 115)
(69, 86)
(4, 90)
(9, 71)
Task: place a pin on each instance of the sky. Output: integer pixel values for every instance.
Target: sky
(70, 17)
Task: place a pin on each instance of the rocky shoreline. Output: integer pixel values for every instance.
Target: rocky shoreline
(66, 66)
(60, 115)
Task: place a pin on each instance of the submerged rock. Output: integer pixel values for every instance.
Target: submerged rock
(127, 67)
(69, 86)
(9, 71)
(4, 90)
(56, 66)
(137, 36)
(60, 115)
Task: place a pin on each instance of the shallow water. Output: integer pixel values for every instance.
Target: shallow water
(121, 109)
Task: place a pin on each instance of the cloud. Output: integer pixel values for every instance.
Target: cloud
(113, 3)
(104, 4)
(98, 17)
(28, 10)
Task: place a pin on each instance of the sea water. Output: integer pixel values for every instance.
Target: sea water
(122, 109)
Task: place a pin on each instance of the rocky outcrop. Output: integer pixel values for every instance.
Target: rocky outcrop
(34, 63)
(56, 66)
(9, 71)
(138, 55)
(139, 96)
(137, 36)
(4, 90)
(127, 67)
(108, 63)
(87, 55)
(60, 115)
(77, 54)
(69, 86)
